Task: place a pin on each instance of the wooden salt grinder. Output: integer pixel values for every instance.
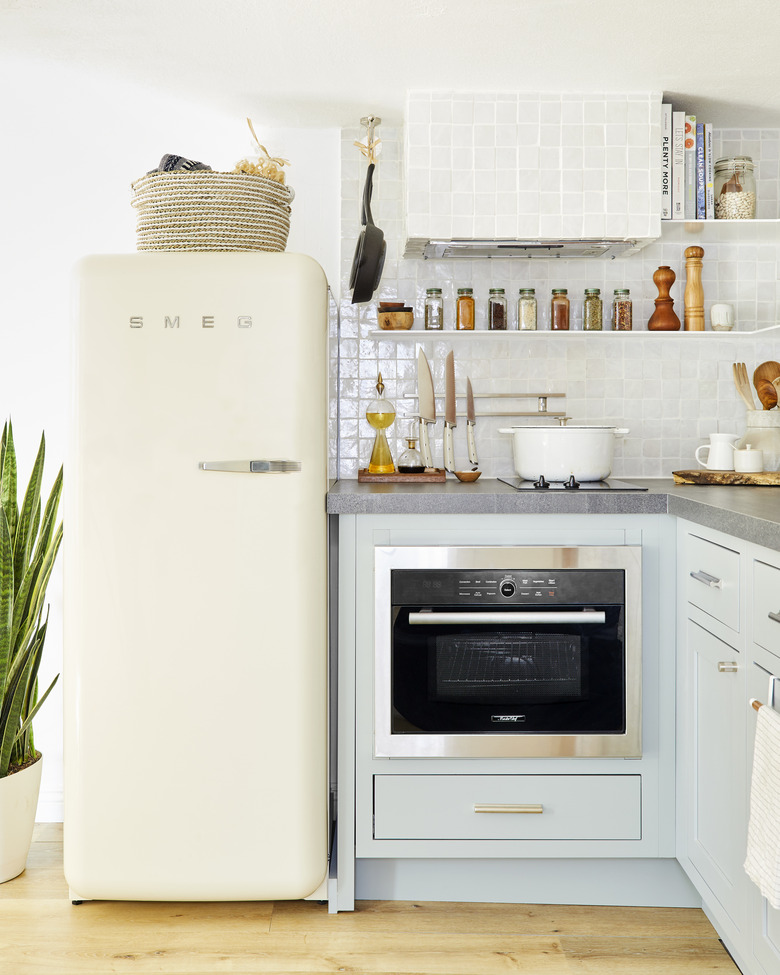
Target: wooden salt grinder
(664, 318)
(694, 293)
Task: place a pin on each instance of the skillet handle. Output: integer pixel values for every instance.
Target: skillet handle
(367, 192)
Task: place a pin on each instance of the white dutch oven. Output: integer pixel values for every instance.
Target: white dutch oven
(558, 452)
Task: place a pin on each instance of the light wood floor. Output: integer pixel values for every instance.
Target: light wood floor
(42, 933)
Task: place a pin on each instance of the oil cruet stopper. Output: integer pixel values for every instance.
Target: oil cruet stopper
(380, 415)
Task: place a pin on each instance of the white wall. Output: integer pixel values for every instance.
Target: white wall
(72, 143)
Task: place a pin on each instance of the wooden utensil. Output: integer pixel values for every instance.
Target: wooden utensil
(743, 384)
(763, 377)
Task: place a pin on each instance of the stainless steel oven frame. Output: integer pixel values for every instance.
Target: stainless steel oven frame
(503, 745)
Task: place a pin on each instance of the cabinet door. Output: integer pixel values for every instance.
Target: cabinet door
(766, 919)
(718, 826)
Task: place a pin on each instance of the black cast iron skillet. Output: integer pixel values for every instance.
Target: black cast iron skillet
(370, 249)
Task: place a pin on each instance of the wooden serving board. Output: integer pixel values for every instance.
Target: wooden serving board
(428, 477)
(764, 479)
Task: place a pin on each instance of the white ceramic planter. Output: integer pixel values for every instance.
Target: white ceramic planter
(558, 452)
(18, 802)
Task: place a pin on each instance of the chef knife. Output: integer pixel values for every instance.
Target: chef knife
(450, 421)
(471, 420)
(426, 403)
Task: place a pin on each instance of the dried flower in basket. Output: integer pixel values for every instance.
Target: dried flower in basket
(266, 165)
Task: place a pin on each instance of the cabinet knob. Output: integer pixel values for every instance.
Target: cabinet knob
(727, 666)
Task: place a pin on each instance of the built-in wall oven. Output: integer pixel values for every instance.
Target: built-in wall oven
(508, 652)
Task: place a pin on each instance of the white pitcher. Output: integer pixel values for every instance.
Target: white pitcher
(720, 452)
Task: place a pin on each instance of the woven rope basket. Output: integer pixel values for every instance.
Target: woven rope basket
(208, 211)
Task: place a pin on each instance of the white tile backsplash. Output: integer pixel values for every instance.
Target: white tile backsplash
(672, 390)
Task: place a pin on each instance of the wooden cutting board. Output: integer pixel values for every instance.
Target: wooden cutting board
(429, 477)
(764, 479)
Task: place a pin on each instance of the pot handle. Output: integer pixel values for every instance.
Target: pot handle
(622, 431)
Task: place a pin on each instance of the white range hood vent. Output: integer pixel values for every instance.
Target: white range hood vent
(531, 175)
(523, 249)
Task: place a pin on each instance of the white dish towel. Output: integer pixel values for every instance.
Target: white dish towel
(763, 845)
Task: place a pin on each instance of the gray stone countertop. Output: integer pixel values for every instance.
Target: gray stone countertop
(750, 513)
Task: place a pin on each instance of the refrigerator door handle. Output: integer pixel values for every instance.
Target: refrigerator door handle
(252, 466)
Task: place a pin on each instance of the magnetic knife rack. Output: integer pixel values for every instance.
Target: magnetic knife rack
(542, 409)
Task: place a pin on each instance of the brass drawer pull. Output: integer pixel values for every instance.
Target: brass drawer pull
(727, 666)
(712, 581)
(492, 807)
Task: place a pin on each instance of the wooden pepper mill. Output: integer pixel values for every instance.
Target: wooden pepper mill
(694, 293)
(664, 318)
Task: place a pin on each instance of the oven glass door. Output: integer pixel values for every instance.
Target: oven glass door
(518, 672)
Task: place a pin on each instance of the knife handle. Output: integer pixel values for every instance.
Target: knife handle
(471, 443)
(449, 452)
(425, 447)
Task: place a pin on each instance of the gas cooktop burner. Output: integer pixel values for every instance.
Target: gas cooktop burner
(571, 485)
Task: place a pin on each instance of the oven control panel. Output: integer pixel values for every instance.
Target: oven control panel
(452, 587)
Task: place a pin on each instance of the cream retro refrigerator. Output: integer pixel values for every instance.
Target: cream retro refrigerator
(195, 579)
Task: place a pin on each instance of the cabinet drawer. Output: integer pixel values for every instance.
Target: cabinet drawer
(508, 807)
(766, 601)
(713, 580)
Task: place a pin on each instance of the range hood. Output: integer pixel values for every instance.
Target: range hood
(529, 175)
(472, 249)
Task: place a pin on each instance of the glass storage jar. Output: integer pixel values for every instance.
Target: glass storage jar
(592, 311)
(464, 319)
(434, 310)
(526, 310)
(559, 310)
(735, 188)
(497, 310)
(622, 312)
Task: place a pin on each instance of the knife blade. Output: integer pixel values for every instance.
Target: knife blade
(471, 419)
(450, 420)
(426, 405)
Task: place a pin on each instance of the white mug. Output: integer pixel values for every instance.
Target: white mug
(748, 461)
(720, 452)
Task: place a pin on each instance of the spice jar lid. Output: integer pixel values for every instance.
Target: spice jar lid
(621, 292)
(433, 291)
(528, 292)
(560, 291)
(465, 291)
(496, 291)
(730, 162)
(593, 291)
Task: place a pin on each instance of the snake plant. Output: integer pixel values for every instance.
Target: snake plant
(29, 544)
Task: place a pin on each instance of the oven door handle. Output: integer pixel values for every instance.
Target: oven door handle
(576, 616)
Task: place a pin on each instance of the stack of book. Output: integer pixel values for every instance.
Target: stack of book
(687, 167)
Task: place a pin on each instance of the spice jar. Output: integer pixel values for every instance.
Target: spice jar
(497, 310)
(592, 311)
(526, 310)
(434, 310)
(559, 310)
(734, 188)
(622, 314)
(464, 319)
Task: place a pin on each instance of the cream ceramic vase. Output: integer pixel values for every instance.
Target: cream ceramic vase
(763, 433)
(18, 802)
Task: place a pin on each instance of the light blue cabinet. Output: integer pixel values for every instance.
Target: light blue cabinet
(728, 646)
